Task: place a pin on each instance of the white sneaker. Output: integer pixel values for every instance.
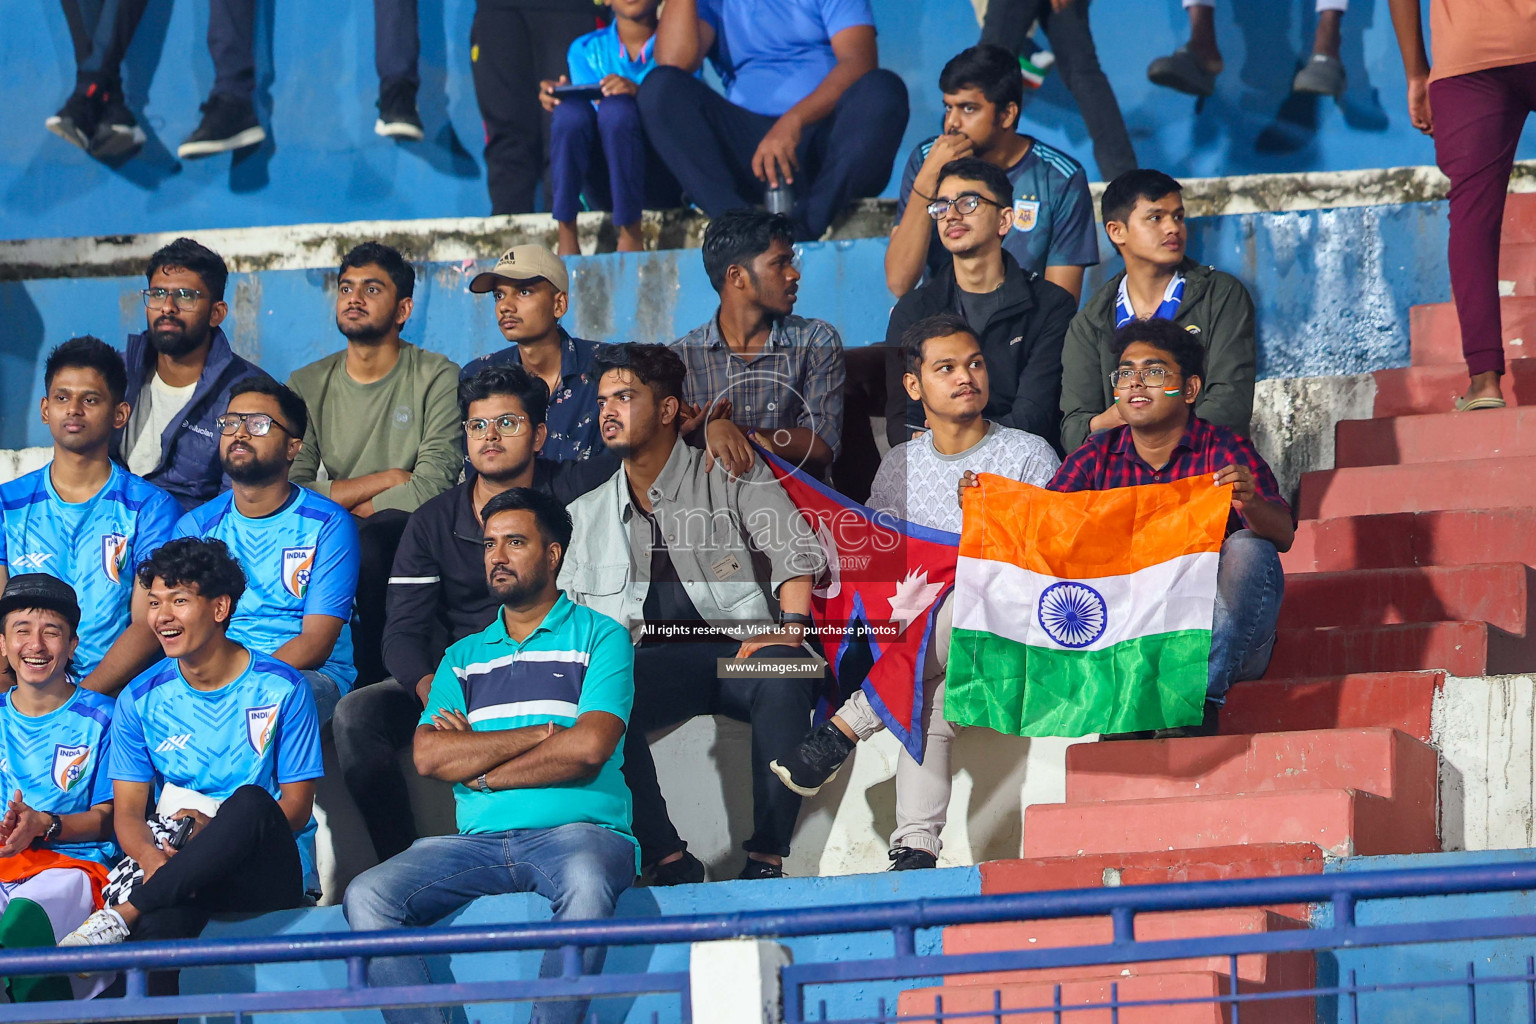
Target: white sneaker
(103, 928)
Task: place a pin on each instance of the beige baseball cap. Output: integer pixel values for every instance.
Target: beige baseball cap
(524, 263)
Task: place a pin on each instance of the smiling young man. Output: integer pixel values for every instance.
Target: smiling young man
(717, 558)
(1157, 379)
(781, 374)
(56, 835)
(531, 286)
(84, 518)
(1019, 317)
(299, 550)
(232, 726)
(917, 482)
(180, 371)
(1052, 231)
(1144, 219)
(526, 719)
(383, 424)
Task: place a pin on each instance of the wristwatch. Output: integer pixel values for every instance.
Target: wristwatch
(54, 828)
(481, 784)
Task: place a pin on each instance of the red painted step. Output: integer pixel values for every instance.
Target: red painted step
(1426, 487)
(1519, 218)
(1435, 334)
(1011, 999)
(1042, 874)
(1496, 594)
(1459, 648)
(1465, 537)
(1448, 437)
(1416, 390)
(1270, 973)
(1517, 267)
(1342, 822)
(1393, 700)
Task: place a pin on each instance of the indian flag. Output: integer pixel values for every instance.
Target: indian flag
(1084, 612)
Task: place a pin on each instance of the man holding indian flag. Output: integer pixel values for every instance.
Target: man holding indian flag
(1120, 579)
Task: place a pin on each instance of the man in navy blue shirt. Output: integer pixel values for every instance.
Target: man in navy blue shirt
(798, 74)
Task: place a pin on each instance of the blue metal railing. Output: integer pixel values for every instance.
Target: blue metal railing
(903, 920)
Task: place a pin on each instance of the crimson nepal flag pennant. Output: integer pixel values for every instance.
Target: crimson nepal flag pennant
(875, 608)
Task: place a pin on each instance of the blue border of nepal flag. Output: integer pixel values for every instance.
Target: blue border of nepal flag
(875, 611)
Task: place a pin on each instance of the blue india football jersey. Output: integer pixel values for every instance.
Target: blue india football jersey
(259, 730)
(300, 560)
(94, 546)
(59, 762)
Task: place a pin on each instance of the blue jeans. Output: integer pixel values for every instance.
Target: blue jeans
(580, 868)
(600, 152)
(326, 690)
(1249, 587)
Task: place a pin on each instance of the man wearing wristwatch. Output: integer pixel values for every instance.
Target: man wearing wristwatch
(56, 835)
(525, 717)
(716, 560)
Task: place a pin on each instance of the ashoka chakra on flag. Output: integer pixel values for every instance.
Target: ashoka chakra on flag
(1084, 612)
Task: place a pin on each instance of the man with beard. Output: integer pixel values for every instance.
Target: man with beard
(383, 423)
(781, 374)
(525, 718)
(1019, 317)
(180, 371)
(298, 549)
(724, 563)
(85, 519)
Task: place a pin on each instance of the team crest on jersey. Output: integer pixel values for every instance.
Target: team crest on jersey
(298, 563)
(259, 723)
(69, 765)
(1026, 213)
(114, 555)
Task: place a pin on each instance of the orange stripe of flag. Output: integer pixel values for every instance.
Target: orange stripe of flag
(1091, 534)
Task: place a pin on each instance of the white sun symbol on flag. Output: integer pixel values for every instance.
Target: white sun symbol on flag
(913, 596)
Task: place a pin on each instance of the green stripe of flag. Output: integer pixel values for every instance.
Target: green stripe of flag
(1151, 682)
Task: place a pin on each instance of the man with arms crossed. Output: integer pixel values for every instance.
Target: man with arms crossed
(525, 718)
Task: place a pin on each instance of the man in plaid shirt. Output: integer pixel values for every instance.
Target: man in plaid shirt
(1156, 379)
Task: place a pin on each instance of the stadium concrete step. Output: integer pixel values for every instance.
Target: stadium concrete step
(1499, 595)
(1444, 437)
(1462, 537)
(1517, 268)
(1382, 762)
(1042, 874)
(1435, 334)
(1417, 390)
(1458, 648)
(1425, 487)
(993, 1003)
(1269, 972)
(1341, 822)
(1392, 700)
(1519, 219)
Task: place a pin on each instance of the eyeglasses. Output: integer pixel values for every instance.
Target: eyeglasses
(964, 204)
(183, 297)
(1151, 376)
(508, 424)
(257, 424)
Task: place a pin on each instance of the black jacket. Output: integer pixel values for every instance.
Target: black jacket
(1021, 342)
(437, 592)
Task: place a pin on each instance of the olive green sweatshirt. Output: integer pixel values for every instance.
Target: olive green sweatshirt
(408, 419)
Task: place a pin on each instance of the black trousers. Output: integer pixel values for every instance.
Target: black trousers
(371, 726)
(232, 44)
(708, 143)
(377, 538)
(1071, 39)
(678, 681)
(511, 51)
(101, 31)
(244, 862)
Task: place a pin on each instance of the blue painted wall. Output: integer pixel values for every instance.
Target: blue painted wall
(843, 1002)
(1332, 289)
(324, 164)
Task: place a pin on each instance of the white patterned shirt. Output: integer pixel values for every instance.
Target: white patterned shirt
(917, 483)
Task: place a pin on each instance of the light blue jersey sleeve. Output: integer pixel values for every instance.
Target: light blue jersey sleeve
(157, 523)
(447, 693)
(5, 561)
(1074, 238)
(298, 737)
(837, 15)
(333, 581)
(578, 60)
(130, 752)
(101, 778)
(609, 684)
(187, 526)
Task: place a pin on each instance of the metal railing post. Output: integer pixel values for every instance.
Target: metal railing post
(736, 981)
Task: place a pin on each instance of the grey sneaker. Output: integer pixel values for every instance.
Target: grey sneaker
(1182, 71)
(103, 928)
(1321, 76)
